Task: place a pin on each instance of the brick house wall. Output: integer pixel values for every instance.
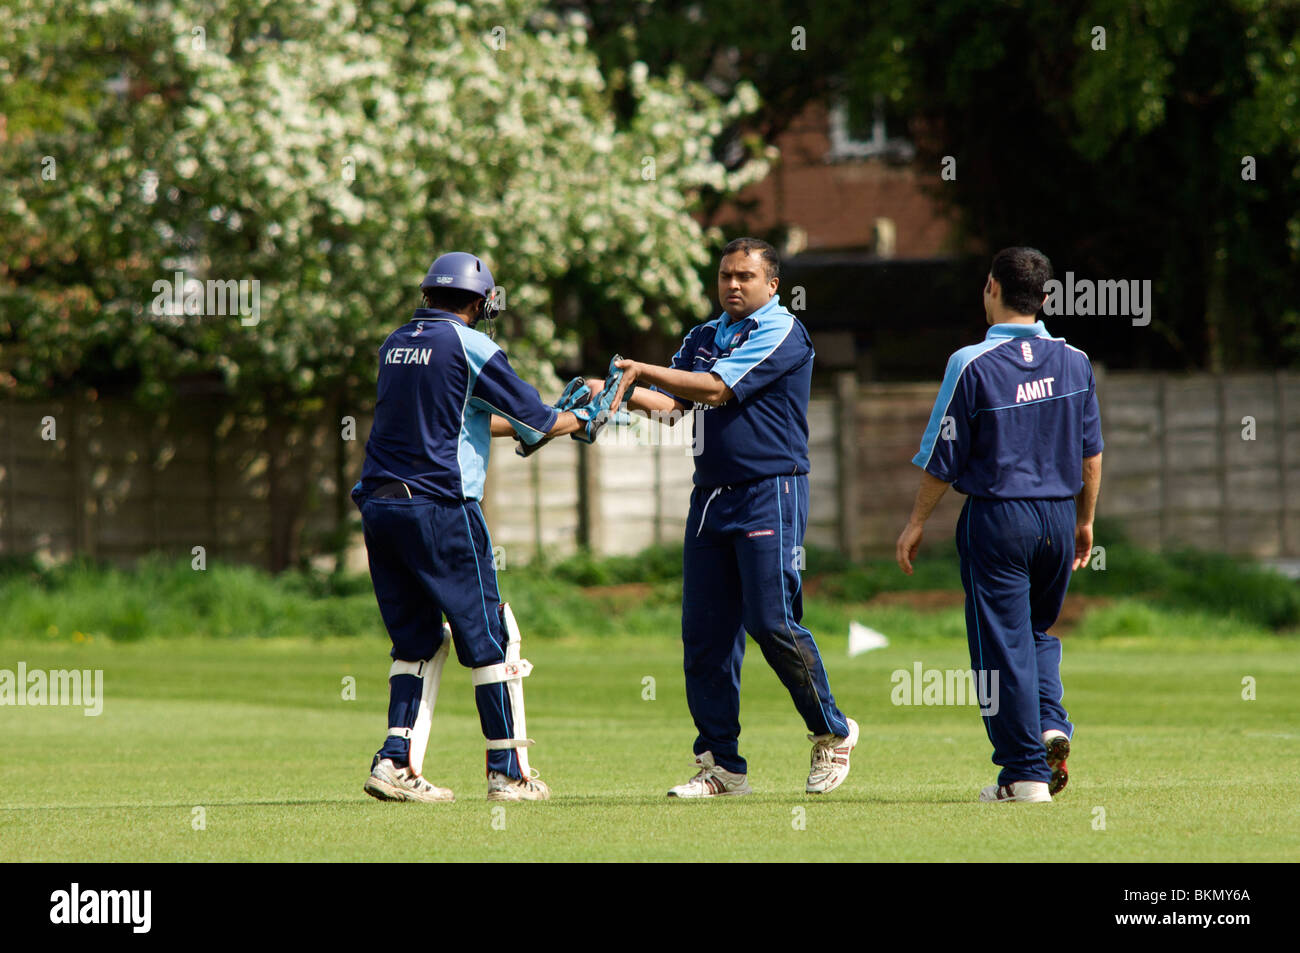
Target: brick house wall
(835, 202)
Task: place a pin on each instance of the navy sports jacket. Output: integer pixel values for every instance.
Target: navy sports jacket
(440, 382)
(766, 359)
(1015, 417)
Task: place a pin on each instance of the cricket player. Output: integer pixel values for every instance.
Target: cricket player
(1015, 428)
(443, 389)
(746, 374)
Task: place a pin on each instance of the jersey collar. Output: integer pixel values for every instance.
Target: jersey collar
(726, 327)
(1009, 330)
(725, 320)
(432, 314)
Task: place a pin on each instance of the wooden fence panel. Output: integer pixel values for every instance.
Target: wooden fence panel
(1191, 459)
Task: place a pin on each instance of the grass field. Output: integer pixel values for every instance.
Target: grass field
(245, 749)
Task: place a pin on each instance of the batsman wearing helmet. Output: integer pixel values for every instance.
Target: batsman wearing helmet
(444, 389)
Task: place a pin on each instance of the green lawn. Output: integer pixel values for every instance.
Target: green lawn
(256, 733)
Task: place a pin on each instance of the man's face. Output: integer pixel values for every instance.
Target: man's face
(743, 285)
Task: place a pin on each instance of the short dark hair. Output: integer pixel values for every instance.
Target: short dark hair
(771, 262)
(1022, 272)
(455, 300)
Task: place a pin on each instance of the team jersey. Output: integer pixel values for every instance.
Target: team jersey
(1015, 417)
(440, 382)
(766, 359)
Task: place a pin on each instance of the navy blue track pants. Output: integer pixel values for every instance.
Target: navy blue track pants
(1016, 558)
(741, 566)
(430, 559)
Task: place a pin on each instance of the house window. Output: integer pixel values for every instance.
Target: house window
(862, 131)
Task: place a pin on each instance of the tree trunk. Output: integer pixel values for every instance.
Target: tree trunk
(287, 467)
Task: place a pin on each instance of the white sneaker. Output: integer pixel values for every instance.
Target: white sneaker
(830, 760)
(1028, 791)
(388, 782)
(712, 781)
(502, 787)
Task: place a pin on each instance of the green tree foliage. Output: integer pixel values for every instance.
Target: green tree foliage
(1124, 162)
(328, 149)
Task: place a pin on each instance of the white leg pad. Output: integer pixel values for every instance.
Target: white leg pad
(430, 672)
(512, 672)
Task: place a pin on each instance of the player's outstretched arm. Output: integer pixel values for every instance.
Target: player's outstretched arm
(928, 495)
(703, 387)
(651, 403)
(565, 423)
(657, 405)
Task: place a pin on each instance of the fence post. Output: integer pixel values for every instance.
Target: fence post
(1103, 410)
(212, 433)
(1221, 470)
(589, 517)
(11, 531)
(79, 447)
(535, 477)
(1162, 392)
(656, 451)
(1279, 390)
(846, 427)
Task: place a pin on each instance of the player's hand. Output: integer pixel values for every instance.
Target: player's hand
(909, 541)
(631, 370)
(595, 385)
(1082, 545)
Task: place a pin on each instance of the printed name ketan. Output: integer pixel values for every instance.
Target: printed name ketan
(408, 355)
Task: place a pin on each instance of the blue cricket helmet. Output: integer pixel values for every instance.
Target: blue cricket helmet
(465, 272)
(461, 270)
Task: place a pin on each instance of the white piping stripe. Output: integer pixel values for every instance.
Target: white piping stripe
(953, 396)
(502, 413)
(763, 358)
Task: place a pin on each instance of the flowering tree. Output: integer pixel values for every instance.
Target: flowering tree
(326, 151)
(250, 191)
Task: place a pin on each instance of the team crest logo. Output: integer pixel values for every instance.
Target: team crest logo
(742, 336)
(1027, 352)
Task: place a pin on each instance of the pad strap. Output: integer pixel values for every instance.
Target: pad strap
(408, 668)
(502, 744)
(501, 672)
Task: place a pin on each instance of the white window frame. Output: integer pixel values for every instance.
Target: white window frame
(843, 146)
